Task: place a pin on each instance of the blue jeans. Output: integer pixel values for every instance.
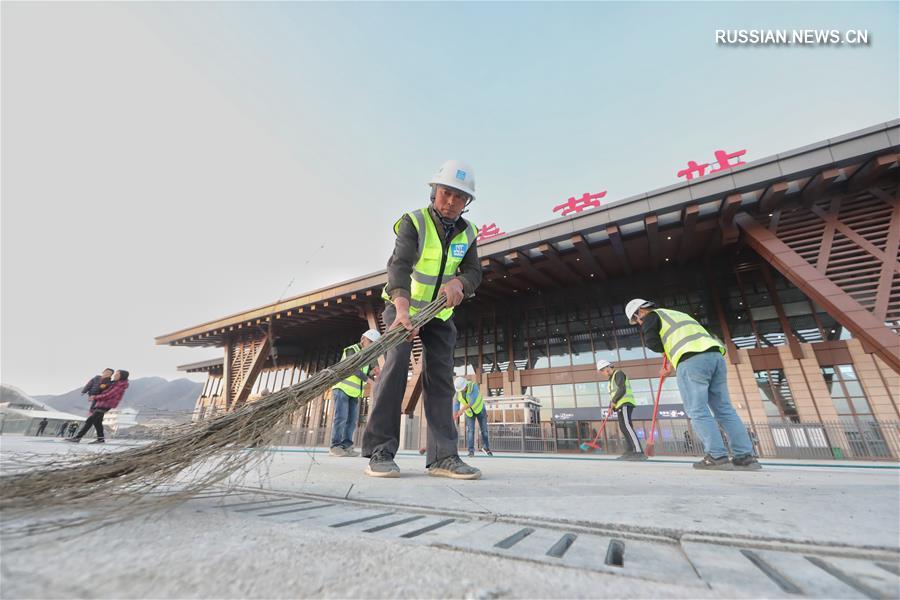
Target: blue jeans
(346, 414)
(470, 430)
(702, 381)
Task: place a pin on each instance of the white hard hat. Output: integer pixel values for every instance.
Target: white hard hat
(459, 383)
(457, 175)
(632, 307)
(372, 334)
(602, 364)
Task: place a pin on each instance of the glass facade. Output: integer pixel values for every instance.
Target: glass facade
(775, 395)
(757, 302)
(751, 304)
(554, 337)
(847, 393)
(863, 433)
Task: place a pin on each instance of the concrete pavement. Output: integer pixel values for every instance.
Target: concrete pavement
(306, 524)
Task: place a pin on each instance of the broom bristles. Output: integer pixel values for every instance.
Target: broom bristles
(194, 457)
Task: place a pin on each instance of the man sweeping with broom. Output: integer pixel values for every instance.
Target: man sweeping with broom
(621, 400)
(702, 381)
(434, 254)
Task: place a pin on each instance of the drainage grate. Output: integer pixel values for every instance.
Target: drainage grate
(765, 568)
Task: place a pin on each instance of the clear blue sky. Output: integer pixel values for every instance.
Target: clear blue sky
(139, 138)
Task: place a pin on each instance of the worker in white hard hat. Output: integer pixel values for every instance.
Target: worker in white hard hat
(434, 254)
(621, 400)
(345, 397)
(698, 360)
(469, 401)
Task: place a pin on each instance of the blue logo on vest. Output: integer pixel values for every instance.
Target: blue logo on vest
(461, 175)
(458, 250)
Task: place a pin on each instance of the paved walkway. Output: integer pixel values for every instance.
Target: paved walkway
(307, 524)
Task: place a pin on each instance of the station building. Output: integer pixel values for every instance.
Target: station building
(791, 260)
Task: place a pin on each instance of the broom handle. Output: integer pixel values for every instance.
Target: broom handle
(656, 404)
(602, 425)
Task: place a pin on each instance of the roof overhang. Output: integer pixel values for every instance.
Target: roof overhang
(675, 224)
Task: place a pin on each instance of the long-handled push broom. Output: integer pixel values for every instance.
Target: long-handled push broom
(114, 485)
(650, 451)
(586, 446)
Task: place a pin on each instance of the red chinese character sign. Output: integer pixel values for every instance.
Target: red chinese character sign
(722, 158)
(486, 232)
(576, 205)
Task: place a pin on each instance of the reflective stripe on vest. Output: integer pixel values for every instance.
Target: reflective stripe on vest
(427, 277)
(681, 333)
(627, 397)
(474, 407)
(353, 385)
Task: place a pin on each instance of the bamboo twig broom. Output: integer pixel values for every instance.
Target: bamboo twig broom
(109, 486)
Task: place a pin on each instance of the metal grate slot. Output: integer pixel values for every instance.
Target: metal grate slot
(362, 520)
(856, 584)
(772, 573)
(393, 524)
(432, 527)
(514, 538)
(562, 546)
(293, 510)
(615, 553)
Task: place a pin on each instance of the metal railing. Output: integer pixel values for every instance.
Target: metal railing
(848, 439)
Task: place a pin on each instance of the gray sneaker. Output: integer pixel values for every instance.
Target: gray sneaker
(635, 456)
(337, 451)
(351, 451)
(454, 468)
(382, 465)
(714, 464)
(746, 463)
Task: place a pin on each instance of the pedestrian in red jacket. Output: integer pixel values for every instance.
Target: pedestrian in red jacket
(101, 403)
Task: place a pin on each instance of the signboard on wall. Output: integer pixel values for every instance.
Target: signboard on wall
(642, 412)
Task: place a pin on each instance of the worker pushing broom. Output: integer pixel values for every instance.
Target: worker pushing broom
(436, 250)
(622, 402)
(433, 268)
(697, 359)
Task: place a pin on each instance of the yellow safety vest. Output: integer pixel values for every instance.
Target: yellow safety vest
(464, 399)
(434, 266)
(681, 333)
(354, 384)
(627, 397)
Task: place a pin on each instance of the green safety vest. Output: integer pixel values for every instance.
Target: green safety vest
(681, 333)
(354, 384)
(476, 407)
(427, 274)
(627, 397)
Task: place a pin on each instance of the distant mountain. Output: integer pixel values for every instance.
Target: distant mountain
(152, 397)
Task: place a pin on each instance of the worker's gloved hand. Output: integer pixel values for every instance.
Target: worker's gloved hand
(453, 290)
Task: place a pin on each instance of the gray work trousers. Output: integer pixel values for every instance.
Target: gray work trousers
(383, 427)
